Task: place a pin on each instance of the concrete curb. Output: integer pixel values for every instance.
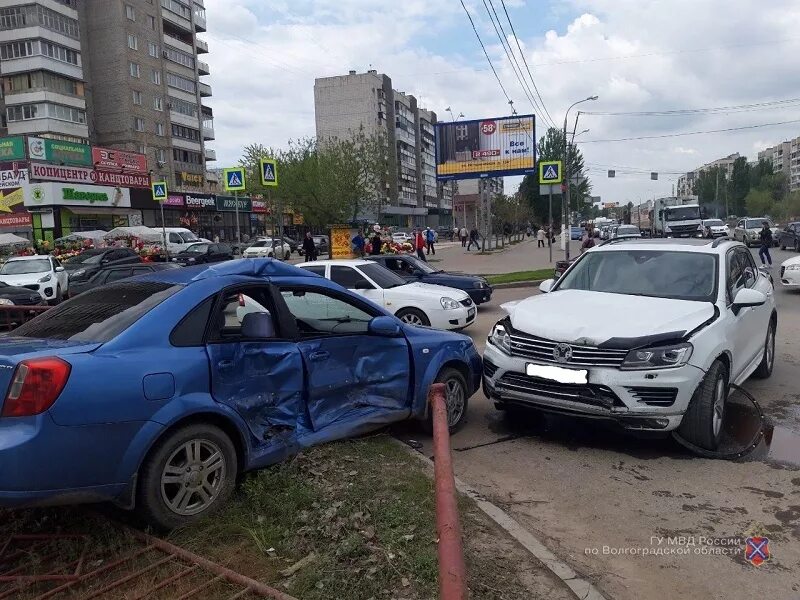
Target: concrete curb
(516, 284)
(583, 589)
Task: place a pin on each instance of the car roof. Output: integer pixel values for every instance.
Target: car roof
(243, 267)
(342, 263)
(701, 245)
(34, 257)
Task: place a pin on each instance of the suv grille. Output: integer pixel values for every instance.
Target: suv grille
(489, 368)
(595, 395)
(654, 396)
(541, 350)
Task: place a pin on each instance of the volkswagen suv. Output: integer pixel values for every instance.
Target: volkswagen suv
(648, 333)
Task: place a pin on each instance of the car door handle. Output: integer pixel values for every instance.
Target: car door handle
(319, 355)
(225, 364)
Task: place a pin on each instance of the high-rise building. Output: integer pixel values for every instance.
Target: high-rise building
(345, 104)
(686, 182)
(785, 158)
(117, 73)
(41, 64)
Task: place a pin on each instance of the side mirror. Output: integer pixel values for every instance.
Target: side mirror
(748, 297)
(59, 269)
(384, 327)
(364, 285)
(547, 285)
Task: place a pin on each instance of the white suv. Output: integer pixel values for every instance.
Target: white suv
(646, 333)
(40, 273)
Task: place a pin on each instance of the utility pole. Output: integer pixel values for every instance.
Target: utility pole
(550, 223)
(716, 193)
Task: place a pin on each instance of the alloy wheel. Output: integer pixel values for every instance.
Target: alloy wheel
(455, 396)
(193, 477)
(411, 319)
(719, 406)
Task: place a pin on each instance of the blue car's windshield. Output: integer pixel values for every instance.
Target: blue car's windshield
(98, 315)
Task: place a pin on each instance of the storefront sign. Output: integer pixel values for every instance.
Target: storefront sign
(12, 148)
(200, 201)
(52, 194)
(60, 152)
(341, 244)
(111, 159)
(89, 176)
(259, 206)
(228, 204)
(16, 220)
(9, 199)
(13, 179)
(174, 200)
(191, 178)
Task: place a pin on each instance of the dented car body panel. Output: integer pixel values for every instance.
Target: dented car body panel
(188, 358)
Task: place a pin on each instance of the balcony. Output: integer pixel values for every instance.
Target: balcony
(177, 43)
(205, 90)
(208, 130)
(201, 45)
(211, 155)
(185, 25)
(200, 21)
(203, 68)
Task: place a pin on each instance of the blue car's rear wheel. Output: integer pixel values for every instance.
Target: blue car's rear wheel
(189, 474)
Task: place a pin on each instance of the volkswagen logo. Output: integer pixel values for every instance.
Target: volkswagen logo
(562, 353)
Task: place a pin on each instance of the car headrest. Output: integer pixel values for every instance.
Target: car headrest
(258, 325)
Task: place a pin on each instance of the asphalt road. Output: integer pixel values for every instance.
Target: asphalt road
(596, 495)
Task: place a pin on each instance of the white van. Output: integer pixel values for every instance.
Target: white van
(179, 238)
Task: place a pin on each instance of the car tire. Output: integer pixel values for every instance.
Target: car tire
(767, 363)
(703, 420)
(782, 246)
(170, 459)
(413, 316)
(797, 246)
(58, 297)
(457, 396)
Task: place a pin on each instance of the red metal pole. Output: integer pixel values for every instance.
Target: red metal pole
(452, 572)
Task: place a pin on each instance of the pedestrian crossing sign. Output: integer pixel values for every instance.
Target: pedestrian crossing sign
(234, 180)
(550, 172)
(269, 172)
(160, 191)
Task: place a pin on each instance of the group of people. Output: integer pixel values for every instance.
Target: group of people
(472, 235)
(423, 241)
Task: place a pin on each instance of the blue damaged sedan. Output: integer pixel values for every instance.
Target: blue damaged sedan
(157, 392)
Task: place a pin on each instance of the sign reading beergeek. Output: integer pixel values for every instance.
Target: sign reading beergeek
(111, 159)
(42, 172)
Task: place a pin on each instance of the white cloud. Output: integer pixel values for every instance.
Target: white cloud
(637, 55)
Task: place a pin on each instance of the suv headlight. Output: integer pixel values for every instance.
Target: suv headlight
(449, 303)
(700, 228)
(45, 279)
(658, 357)
(480, 285)
(500, 338)
(6, 302)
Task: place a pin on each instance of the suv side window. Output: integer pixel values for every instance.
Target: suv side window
(740, 224)
(749, 268)
(735, 280)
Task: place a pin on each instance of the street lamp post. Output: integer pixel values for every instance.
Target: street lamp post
(567, 174)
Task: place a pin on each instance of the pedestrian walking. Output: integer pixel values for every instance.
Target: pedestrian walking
(430, 240)
(528, 231)
(454, 234)
(765, 235)
(588, 241)
(359, 243)
(309, 248)
(376, 243)
(540, 238)
(419, 244)
(463, 236)
(473, 239)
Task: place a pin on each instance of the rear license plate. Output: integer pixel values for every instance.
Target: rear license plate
(558, 374)
(470, 313)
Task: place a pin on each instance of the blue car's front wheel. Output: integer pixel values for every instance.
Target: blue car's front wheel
(189, 474)
(456, 397)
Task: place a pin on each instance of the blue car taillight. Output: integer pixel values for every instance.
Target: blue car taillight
(35, 386)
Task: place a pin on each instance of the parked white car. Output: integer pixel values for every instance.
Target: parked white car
(627, 231)
(790, 272)
(401, 237)
(179, 239)
(268, 248)
(647, 333)
(416, 303)
(714, 228)
(43, 274)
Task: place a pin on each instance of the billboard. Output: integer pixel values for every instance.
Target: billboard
(58, 151)
(486, 148)
(110, 159)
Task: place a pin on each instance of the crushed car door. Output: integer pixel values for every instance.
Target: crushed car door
(350, 373)
(254, 369)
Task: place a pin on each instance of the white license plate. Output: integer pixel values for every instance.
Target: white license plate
(558, 374)
(470, 313)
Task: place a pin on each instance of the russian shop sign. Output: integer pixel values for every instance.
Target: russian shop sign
(12, 148)
(57, 151)
(200, 201)
(228, 204)
(86, 175)
(56, 194)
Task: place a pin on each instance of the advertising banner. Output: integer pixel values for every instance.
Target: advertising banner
(341, 241)
(259, 206)
(16, 220)
(11, 200)
(486, 148)
(12, 148)
(85, 175)
(228, 204)
(174, 200)
(57, 151)
(201, 201)
(58, 194)
(111, 159)
(13, 179)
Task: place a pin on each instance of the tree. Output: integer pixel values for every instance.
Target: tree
(551, 147)
(710, 190)
(759, 203)
(738, 186)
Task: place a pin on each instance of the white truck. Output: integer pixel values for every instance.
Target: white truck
(676, 217)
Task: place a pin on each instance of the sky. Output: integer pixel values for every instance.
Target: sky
(635, 55)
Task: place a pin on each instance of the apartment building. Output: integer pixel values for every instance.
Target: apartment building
(685, 186)
(115, 73)
(41, 65)
(345, 104)
(785, 158)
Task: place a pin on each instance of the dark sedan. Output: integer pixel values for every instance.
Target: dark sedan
(87, 263)
(112, 274)
(11, 295)
(789, 237)
(411, 268)
(204, 253)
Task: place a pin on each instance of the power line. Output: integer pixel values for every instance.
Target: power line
(671, 135)
(486, 54)
(700, 111)
(524, 60)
